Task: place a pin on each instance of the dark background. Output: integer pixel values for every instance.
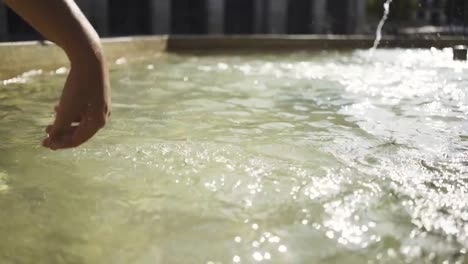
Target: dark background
(135, 17)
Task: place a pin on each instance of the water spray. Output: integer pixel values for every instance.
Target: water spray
(378, 33)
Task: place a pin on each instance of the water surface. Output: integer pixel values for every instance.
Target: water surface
(282, 158)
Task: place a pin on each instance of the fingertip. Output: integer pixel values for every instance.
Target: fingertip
(54, 146)
(45, 143)
(84, 132)
(48, 129)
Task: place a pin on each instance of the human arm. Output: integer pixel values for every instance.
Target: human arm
(86, 95)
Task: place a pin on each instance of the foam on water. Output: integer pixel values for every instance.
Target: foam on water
(302, 158)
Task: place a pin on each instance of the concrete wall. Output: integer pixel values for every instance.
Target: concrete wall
(277, 15)
(269, 16)
(318, 16)
(215, 16)
(260, 23)
(97, 13)
(160, 16)
(357, 16)
(3, 22)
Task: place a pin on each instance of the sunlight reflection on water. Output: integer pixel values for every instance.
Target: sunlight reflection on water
(301, 158)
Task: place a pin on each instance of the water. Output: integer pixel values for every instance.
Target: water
(285, 158)
(378, 32)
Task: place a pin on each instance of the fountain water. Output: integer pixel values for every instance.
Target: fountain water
(378, 33)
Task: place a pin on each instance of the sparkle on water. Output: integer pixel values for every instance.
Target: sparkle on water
(299, 158)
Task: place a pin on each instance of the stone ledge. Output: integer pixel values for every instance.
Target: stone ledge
(301, 42)
(18, 57)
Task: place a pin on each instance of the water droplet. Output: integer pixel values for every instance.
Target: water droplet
(257, 256)
(282, 249)
(223, 66)
(61, 70)
(274, 239)
(121, 61)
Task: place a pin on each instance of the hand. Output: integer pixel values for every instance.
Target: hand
(84, 105)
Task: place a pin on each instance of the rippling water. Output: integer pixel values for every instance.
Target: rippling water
(286, 158)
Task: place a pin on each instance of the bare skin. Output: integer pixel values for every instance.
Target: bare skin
(84, 106)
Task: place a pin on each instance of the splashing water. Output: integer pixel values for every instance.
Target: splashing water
(378, 33)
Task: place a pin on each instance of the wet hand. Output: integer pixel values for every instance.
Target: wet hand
(84, 106)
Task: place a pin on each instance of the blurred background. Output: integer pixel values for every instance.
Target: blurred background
(160, 17)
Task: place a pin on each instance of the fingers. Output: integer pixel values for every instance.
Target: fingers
(49, 129)
(53, 132)
(71, 137)
(85, 131)
(70, 133)
(57, 109)
(61, 132)
(59, 140)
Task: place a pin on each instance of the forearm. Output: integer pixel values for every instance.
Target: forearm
(86, 95)
(62, 22)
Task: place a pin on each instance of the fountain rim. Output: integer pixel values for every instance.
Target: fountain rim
(195, 42)
(19, 57)
(304, 42)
